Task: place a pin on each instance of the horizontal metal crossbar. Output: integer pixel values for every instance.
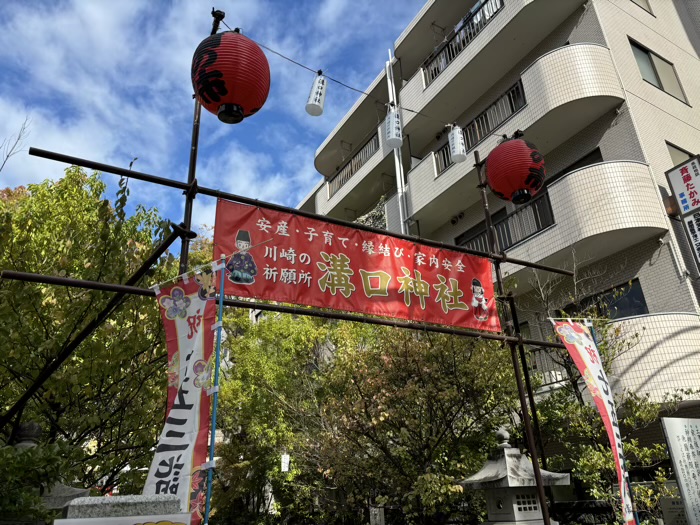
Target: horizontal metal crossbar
(106, 168)
(296, 310)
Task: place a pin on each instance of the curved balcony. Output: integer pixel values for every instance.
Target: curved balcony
(360, 181)
(473, 60)
(354, 127)
(598, 210)
(565, 91)
(665, 357)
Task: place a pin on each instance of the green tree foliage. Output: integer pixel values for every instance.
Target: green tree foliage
(412, 413)
(25, 474)
(367, 414)
(105, 401)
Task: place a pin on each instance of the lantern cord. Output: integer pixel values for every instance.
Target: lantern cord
(338, 81)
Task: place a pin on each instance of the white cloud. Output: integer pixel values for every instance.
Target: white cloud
(110, 81)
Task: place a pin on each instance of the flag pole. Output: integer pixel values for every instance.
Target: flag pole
(210, 466)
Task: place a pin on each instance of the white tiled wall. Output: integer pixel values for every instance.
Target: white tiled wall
(567, 74)
(664, 356)
(592, 201)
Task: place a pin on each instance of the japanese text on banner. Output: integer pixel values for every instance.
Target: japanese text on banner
(288, 258)
(187, 311)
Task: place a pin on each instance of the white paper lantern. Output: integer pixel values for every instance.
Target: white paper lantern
(458, 148)
(394, 133)
(314, 106)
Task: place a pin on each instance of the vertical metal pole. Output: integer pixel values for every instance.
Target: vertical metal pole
(212, 441)
(191, 192)
(191, 181)
(400, 185)
(528, 383)
(527, 424)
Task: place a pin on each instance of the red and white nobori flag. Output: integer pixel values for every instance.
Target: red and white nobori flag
(582, 348)
(288, 258)
(188, 311)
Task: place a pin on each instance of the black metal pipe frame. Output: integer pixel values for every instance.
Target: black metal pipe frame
(528, 382)
(52, 366)
(191, 191)
(512, 329)
(271, 307)
(106, 168)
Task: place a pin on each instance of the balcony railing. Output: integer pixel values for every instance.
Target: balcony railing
(517, 226)
(462, 36)
(541, 365)
(481, 127)
(353, 165)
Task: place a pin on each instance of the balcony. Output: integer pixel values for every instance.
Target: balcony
(458, 40)
(562, 92)
(481, 127)
(517, 226)
(354, 128)
(358, 183)
(600, 210)
(665, 357)
(353, 166)
(474, 59)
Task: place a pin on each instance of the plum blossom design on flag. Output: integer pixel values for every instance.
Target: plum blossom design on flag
(174, 370)
(202, 370)
(175, 304)
(569, 334)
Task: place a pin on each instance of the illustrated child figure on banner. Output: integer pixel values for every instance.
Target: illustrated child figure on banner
(241, 266)
(480, 303)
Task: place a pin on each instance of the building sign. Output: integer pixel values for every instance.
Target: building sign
(292, 259)
(692, 229)
(188, 311)
(582, 348)
(684, 181)
(683, 438)
(672, 511)
(165, 519)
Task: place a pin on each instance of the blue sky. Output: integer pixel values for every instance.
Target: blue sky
(110, 81)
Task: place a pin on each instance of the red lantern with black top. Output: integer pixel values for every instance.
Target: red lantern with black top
(515, 170)
(230, 76)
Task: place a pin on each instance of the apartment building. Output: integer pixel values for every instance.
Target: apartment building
(609, 91)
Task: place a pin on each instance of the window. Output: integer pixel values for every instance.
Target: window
(657, 71)
(644, 4)
(593, 157)
(678, 155)
(621, 301)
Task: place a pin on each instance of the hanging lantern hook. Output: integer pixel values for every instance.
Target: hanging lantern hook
(218, 17)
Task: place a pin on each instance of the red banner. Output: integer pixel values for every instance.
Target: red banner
(582, 349)
(188, 311)
(287, 258)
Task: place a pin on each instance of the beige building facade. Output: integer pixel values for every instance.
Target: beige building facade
(609, 91)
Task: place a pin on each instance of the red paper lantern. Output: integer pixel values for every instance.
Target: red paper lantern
(230, 76)
(515, 170)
